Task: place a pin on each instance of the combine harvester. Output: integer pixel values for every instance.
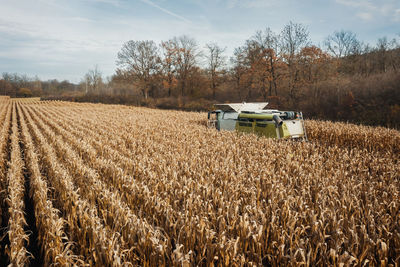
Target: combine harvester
(254, 118)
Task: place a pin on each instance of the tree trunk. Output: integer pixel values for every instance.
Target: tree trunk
(145, 93)
(238, 87)
(182, 87)
(273, 75)
(214, 89)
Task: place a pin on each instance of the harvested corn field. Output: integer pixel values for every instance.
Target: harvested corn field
(107, 185)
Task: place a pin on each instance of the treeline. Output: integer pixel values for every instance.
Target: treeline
(17, 85)
(344, 79)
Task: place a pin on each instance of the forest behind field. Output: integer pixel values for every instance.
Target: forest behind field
(342, 79)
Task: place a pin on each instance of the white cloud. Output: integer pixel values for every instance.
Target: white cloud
(81, 19)
(52, 36)
(369, 10)
(74, 35)
(396, 16)
(116, 3)
(231, 3)
(70, 41)
(250, 3)
(363, 4)
(365, 16)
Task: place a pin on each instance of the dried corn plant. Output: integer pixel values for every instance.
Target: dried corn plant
(138, 186)
(5, 118)
(18, 238)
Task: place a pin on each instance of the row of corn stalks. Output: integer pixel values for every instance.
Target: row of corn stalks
(48, 221)
(5, 111)
(5, 118)
(18, 238)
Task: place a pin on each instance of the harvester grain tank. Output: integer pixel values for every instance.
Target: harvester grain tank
(253, 118)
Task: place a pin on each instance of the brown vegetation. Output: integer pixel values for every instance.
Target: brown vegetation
(117, 185)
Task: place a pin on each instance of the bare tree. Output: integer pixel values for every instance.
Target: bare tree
(383, 45)
(168, 65)
(93, 81)
(342, 43)
(267, 42)
(141, 60)
(185, 59)
(239, 69)
(257, 68)
(294, 37)
(36, 86)
(216, 61)
(395, 54)
(5, 87)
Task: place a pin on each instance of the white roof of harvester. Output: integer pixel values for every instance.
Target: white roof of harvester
(239, 107)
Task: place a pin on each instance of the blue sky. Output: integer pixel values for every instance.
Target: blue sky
(63, 39)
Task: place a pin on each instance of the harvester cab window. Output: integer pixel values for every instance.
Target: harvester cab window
(230, 115)
(213, 115)
(212, 121)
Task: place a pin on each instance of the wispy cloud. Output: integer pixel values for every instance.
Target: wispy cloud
(81, 19)
(116, 3)
(365, 16)
(165, 10)
(364, 4)
(369, 10)
(64, 38)
(397, 15)
(250, 3)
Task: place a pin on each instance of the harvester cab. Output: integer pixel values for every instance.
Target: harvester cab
(253, 118)
(213, 119)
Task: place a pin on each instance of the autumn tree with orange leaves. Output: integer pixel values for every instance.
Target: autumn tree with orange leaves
(266, 42)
